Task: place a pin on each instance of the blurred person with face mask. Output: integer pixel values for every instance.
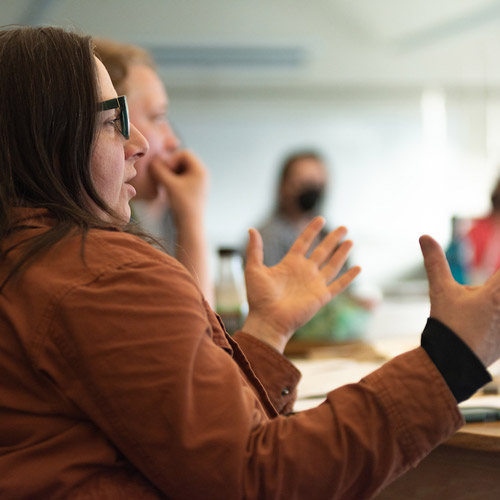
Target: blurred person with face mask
(301, 189)
(171, 182)
(483, 239)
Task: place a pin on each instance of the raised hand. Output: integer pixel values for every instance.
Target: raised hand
(473, 313)
(185, 180)
(284, 297)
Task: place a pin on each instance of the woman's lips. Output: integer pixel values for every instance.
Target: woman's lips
(131, 189)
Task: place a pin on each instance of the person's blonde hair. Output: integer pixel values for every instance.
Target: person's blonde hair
(118, 57)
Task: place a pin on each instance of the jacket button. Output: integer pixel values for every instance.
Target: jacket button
(285, 391)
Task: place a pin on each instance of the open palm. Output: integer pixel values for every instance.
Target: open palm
(473, 313)
(284, 297)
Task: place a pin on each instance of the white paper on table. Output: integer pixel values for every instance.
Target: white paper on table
(322, 376)
(481, 401)
(494, 369)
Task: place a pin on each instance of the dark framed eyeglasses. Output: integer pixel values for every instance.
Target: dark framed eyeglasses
(122, 122)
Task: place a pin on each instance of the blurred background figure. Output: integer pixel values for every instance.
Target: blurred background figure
(302, 184)
(484, 241)
(301, 187)
(458, 252)
(171, 183)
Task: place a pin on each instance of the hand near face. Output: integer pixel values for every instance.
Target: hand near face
(473, 313)
(284, 297)
(186, 181)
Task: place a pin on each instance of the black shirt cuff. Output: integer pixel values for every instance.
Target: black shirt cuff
(460, 367)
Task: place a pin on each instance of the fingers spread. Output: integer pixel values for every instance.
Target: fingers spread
(302, 244)
(340, 284)
(325, 249)
(337, 260)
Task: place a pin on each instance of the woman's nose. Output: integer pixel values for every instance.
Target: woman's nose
(137, 144)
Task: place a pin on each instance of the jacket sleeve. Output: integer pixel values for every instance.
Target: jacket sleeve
(278, 375)
(134, 350)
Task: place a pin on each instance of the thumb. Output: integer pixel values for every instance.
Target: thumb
(436, 265)
(255, 249)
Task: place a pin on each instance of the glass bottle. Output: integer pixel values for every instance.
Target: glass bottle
(230, 295)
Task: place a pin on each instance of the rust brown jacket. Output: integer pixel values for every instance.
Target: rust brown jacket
(117, 381)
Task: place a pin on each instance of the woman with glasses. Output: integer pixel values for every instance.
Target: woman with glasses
(171, 183)
(118, 381)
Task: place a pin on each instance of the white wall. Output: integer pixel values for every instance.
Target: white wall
(391, 181)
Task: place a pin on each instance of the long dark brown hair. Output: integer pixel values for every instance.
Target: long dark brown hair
(48, 124)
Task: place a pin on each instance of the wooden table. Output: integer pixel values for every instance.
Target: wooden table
(466, 467)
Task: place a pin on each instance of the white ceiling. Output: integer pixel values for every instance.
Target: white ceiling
(301, 43)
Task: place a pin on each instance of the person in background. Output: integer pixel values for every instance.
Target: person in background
(301, 188)
(171, 183)
(458, 251)
(117, 380)
(483, 239)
